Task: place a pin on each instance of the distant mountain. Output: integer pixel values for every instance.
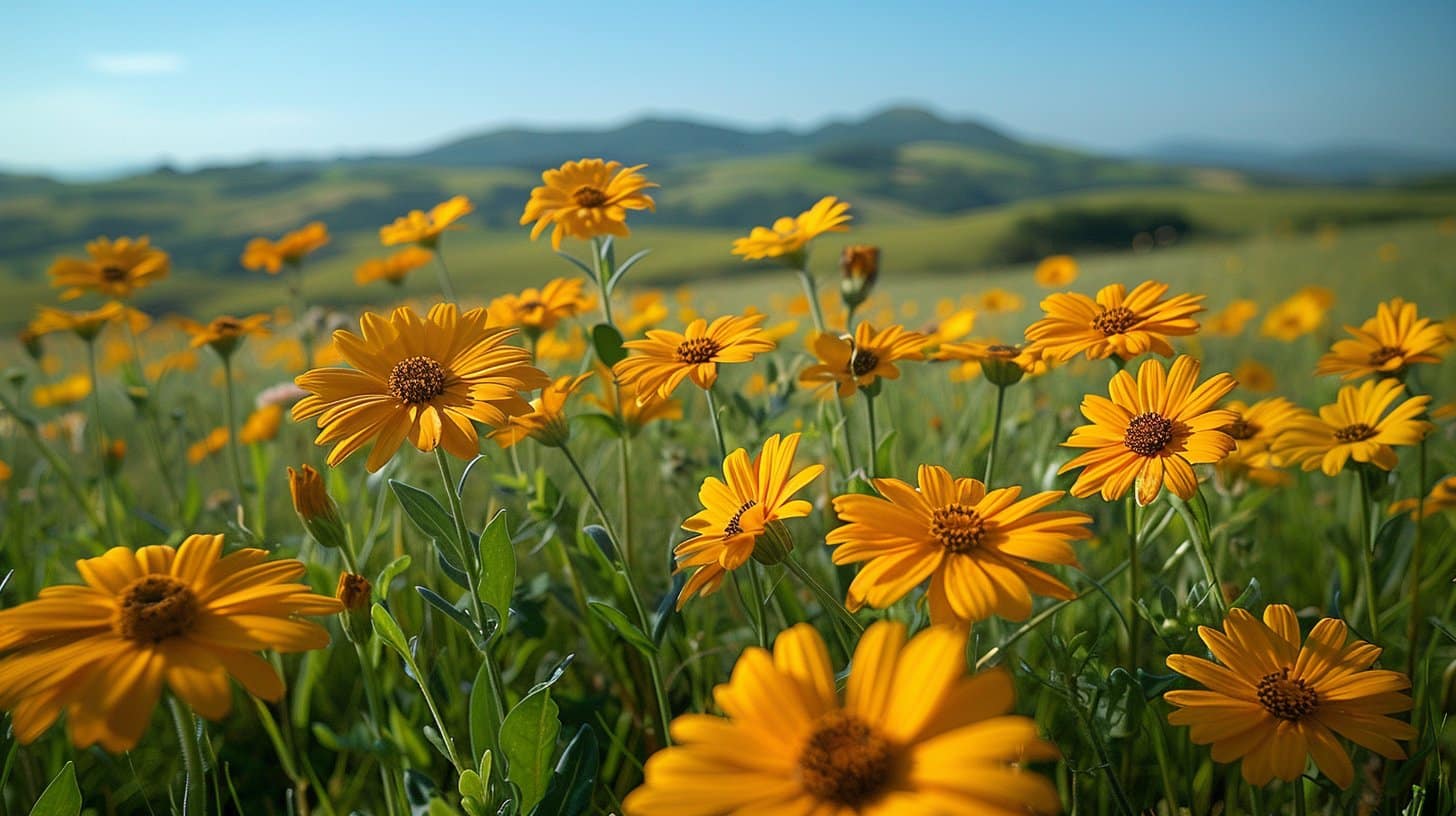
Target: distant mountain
(1339, 163)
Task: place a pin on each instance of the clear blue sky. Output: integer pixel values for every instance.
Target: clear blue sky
(97, 84)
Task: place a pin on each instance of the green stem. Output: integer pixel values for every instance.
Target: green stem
(811, 292)
(376, 716)
(1300, 809)
(717, 423)
(447, 289)
(756, 597)
(153, 430)
(604, 274)
(98, 437)
(1153, 721)
(1413, 625)
(831, 604)
(1123, 804)
(624, 445)
(54, 459)
(230, 413)
(1199, 532)
(874, 435)
(1134, 582)
(194, 791)
(995, 435)
(1367, 554)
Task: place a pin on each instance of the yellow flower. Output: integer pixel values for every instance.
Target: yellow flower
(1278, 700)
(739, 512)
(1355, 427)
(995, 301)
(972, 544)
(846, 363)
(215, 441)
(620, 402)
(561, 346)
(1151, 432)
(87, 325)
(1056, 270)
(1441, 499)
(1255, 377)
(270, 256)
(1232, 319)
(261, 425)
(69, 391)
(645, 310)
(585, 199)
(537, 310)
(188, 618)
(425, 229)
(428, 379)
(1003, 364)
(547, 422)
(1386, 344)
(116, 269)
(1118, 322)
(666, 358)
(225, 332)
(311, 499)
(950, 328)
(911, 735)
(1254, 431)
(1300, 314)
(393, 268)
(789, 238)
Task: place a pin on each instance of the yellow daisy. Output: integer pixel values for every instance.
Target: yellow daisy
(271, 256)
(1055, 270)
(1278, 700)
(547, 422)
(115, 269)
(788, 238)
(1254, 431)
(424, 229)
(846, 363)
(975, 546)
(665, 358)
(1355, 427)
(68, 391)
(1386, 344)
(1004, 364)
(1118, 322)
(619, 401)
(224, 333)
(538, 310)
(188, 618)
(738, 511)
(1151, 432)
(1441, 498)
(585, 199)
(1298, 315)
(912, 735)
(394, 268)
(428, 379)
(88, 324)
(1232, 319)
(996, 301)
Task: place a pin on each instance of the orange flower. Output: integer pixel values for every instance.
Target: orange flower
(424, 229)
(271, 256)
(1118, 322)
(115, 269)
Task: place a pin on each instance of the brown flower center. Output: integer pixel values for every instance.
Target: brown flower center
(417, 380)
(1241, 429)
(845, 762)
(1116, 320)
(113, 274)
(1359, 432)
(589, 196)
(155, 607)
(862, 362)
(227, 326)
(1288, 698)
(958, 528)
(1003, 351)
(697, 350)
(1148, 433)
(735, 524)
(1385, 354)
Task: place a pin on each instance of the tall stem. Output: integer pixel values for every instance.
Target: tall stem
(230, 412)
(756, 602)
(604, 273)
(995, 435)
(624, 446)
(1199, 532)
(1413, 626)
(1367, 554)
(1299, 805)
(58, 464)
(447, 289)
(376, 716)
(874, 434)
(98, 436)
(717, 423)
(811, 291)
(831, 604)
(194, 791)
(153, 429)
(1134, 582)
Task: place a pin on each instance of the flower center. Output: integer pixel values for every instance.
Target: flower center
(1116, 320)
(1003, 351)
(154, 608)
(589, 196)
(957, 527)
(1359, 432)
(1384, 354)
(1241, 429)
(1148, 433)
(735, 524)
(845, 762)
(1288, 698)
(417, 380)
(862, 362)
(227, 326)
(113, 274)
(698, 350)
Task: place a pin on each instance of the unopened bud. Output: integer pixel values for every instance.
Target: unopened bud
(860, 266)
(355, 593)
(774, 545)
(1001, 367)
(317, 511)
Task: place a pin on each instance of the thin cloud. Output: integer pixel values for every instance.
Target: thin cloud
(136, 64)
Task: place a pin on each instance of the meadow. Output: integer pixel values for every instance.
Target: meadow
(593, 602)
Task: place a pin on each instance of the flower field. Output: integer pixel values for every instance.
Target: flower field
(1122, 534)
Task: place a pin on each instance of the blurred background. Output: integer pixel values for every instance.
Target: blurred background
(1264, 143)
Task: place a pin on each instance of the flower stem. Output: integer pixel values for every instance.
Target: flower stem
(874, 434)
(1134, 581)
(756, 598)
(1413, 626)
(624, 446)
(717, 423)
(98, 437)
(153, 428)
(230, 413)
(446, 287)
(376, 716)
(995, 435)
(831, 604)
(1199, 532)
(1299, 805)
(1367, 554)
(194, 791)
(604, 273)
(811, 291)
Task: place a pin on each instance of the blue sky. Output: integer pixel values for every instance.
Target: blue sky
(100, 84)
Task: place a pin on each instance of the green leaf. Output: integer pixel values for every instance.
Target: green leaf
(425, 511)
(579, 265)
(387, 575)
(451, 611)
(497, 566)
(884, 452)
(528, 739)
(624, 627)
(608, 343)
(387, 628)
(61, 797)
(570, 790)
(483, 717)
(622, 270)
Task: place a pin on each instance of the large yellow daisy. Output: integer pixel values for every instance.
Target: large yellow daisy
(1386, 344)
(428, 379)
(973, 545)
(847, 363)
(188, 618)
(911, 736)
(1151, 432)
(665, 358)
(547, 421)
(1118, 322)
(1355, 427)
(115, 269)
(1278, 700)
(788, 238)
(585, 199)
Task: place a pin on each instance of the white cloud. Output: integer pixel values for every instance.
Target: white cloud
(136, 64)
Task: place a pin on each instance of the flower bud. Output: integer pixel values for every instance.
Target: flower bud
(355, 593)
(319, 514)
(774, 545)
(115, 455)
(1001, 367)
(860, 265)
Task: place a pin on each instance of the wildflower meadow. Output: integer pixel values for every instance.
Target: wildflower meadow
(1093, 535)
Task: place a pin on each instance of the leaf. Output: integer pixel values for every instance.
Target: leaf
(425, 511)
(622, 270)
(603, 540)
(608, 344)
(61, 797)
(555, 674)
(497, 566)
(451, 611)
(387, 575)
(465, 474)
(629, 631)
(483, 714)
(528, 739)
(451, 569)
(570, 790)
(579, 265)
(387, 628)
(667, 609)
(884, 452)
